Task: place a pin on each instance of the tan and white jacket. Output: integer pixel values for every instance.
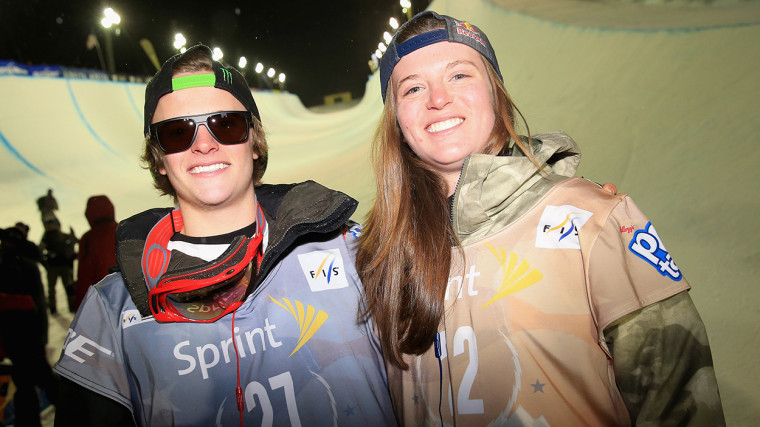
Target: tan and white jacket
(547, 264)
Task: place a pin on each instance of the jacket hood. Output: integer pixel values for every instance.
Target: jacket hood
(99, 208)
(493, 190)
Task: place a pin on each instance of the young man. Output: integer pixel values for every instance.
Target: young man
(238, 306)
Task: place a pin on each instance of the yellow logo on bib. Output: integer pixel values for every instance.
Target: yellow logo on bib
(516, 275)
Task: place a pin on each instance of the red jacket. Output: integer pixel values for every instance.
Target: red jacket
(97, 247)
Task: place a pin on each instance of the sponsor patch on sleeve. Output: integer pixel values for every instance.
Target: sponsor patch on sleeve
(323, 270)
(130, 318)
(354, 230)
(646, 244)
(559, 225)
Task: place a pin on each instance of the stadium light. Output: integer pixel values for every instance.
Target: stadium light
(110, 18)
(259, 67)
(217, 54)
(179, 41)
(242, 62)
(406, 7)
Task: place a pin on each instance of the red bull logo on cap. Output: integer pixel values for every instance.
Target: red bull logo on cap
(466, 29)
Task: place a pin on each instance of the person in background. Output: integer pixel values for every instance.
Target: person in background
(239, 305)
(47, 205)
(28, 248)
(504, 290)
(97, 246)
(58, 255)
(23, 327)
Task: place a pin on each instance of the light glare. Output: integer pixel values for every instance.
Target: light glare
(112, 16)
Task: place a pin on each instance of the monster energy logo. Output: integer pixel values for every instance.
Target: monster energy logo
(227, 75)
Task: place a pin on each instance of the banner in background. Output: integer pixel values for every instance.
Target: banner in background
(12, 68)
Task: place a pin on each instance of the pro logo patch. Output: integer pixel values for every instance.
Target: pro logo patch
(646, 244)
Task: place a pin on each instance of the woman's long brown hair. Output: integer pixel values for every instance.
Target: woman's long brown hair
(404, 255)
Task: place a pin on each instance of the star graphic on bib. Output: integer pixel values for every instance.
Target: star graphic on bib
(538, 387)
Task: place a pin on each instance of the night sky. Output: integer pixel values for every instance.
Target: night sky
(322, 47)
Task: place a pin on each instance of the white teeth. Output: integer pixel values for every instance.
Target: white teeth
(446, 124)
(209, 168)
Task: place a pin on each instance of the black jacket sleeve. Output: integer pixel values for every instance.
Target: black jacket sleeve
(77, 406)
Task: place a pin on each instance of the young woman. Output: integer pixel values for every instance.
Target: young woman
(504, 291)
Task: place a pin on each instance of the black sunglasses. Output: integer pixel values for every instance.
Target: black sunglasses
(177, 134)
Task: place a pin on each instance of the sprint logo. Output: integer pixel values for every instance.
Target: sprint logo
(323, 270)
(516, 274)
(309, 319)
(559, 225)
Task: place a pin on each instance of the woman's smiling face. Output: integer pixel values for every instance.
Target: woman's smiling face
(443, 102)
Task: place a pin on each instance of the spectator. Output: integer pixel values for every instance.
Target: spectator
(23, 325)
(58, 255)
(47, 206)
(97, 247)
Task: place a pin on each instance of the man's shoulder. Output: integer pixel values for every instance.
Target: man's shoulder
(141, 223)
(112, 291)
(271, 196)
(304, 203)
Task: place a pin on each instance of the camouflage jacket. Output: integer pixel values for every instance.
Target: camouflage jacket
(662, 360)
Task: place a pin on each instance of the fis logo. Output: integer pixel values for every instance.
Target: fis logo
(130, 318)
(323, 270)
(559, 225)
(227, 76)
(646, 244)
(309, 319)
